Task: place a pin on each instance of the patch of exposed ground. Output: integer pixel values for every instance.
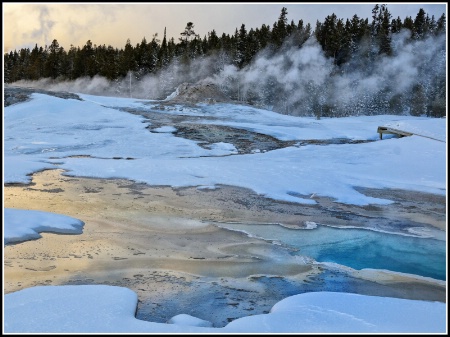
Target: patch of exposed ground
(206, 134)
(201, 92)
(14, 95)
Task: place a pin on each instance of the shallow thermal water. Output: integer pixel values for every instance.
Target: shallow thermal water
(358, 248)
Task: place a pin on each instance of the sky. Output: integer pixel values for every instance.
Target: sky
(28, 24)
(60, 128)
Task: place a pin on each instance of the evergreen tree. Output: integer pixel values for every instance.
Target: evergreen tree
(331, 36)
(418, 104)
(441, 25)
(384, 34)
(128, 62)
(35, 64)
(253, 46)
(381, 29)
(264, 36)
(163, 54)
(396, 25)
(171, 47)
(53, 63)
(280, 30)
(88, 57)
(25, 61)
(71, 55)
(241, 53)
(7, 67)
(194, 49)
(213, 41)
(291, 28)
(408, 23)
(63, 63)
(188, 34)
(79, 69)
(432, 24)
(152, 54)
(301, 34)
(355, 33)
(419, 25)
(438, 103)
(108, 58)
(142, 58)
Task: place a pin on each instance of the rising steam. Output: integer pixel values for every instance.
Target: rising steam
(296, 81)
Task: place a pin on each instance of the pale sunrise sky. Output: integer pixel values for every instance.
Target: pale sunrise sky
(27, 24)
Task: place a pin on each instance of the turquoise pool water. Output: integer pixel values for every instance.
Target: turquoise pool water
(359, 248)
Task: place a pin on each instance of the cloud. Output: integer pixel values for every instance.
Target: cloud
(113, 23)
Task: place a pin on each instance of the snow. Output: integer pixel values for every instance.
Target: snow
(62, 129)
(162, 129)
(82, 136)
(22, 225)
(110, 309)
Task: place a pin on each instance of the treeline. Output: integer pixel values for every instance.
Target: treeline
(350, 45)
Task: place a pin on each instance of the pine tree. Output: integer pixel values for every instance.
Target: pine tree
(71, 55)
(163, 57)
(26, 60)
(63, 63)
(53, 62)
(79, 69)
(396, 25)
(432, 24)
(88, 57)
(419, 25)
(153, 51)
(418, 104)
(240, 56)
(381, 30)
(355, 34)
(35, 66)
(264, 36)
(279, 31)
(188, 34)
(128, 62)
(408, 23)
(384, 37)
(7, 67)
(142, 59)
(441, 25)
(301, 34)
(107, 60)
(331, 36)
(213, 42)
(171, 48)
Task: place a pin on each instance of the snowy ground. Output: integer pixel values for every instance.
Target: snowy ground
(90, 128)
(95, 138)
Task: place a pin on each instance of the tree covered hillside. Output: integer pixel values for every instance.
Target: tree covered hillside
(340, 67)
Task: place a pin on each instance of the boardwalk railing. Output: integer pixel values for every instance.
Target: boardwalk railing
(400, 133)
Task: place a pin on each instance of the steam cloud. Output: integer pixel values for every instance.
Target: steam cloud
(293, 81)
(45, 25)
